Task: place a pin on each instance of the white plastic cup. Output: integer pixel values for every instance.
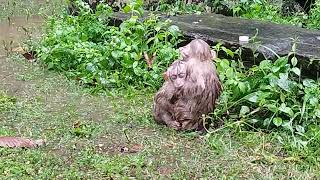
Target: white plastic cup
(243, 39)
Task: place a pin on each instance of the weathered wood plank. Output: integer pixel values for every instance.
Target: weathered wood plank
(225, 29)
(277, 37)
(270, 36)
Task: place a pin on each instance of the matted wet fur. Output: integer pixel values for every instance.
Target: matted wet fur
(168, 95)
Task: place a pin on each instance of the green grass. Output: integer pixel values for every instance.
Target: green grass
(118, 138)
(48, 105)
(28, 8)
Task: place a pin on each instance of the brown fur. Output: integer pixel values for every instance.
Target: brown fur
(199, 93)
(166, 98)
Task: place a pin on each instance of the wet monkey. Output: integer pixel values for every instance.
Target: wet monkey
(168, 95)
(199, 90)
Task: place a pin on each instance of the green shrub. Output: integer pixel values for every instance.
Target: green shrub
(264, 10)
(314, 17)
(271, 95)
(89, 48)
(179, 7)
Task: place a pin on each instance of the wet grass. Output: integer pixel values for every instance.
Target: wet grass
(11, 8)
(114, 136)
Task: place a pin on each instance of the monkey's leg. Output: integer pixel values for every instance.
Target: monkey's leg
(166, 118)
(186, 114)
(183, 117)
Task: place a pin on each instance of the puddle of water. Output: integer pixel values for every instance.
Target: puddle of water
(16, 29)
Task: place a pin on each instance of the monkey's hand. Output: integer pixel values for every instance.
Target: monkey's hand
(174, 124)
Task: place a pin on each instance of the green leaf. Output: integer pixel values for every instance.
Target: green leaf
(285, 109)
(114, 54)
(244, 110)
(253, 97)
(275, 69)
(296, 71)
(294, 61)
(90, 67)
(128, 48)
(127, 60)
(150, 39)
(308, 82)
(266, 122)
(283, 82)
(227, 51)
(155, 76)
(272, 107)
(242, 87)
(282, 97)
(300, 129)
(281, 62)
(174, 30)
(160, 36)
(283, 76)
(157, 28)
(50, 65)
(277, 121)
(231, 82)
(314, 101)
(224, 64)
(301, 142)
(294, 47)
(265, 64)
(137, 70)
(317, 113)
(126, 9)
(253, 121)
(133, 19)
(135, 64)
(229, 73)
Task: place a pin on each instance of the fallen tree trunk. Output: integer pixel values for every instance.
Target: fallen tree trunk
(270, 39)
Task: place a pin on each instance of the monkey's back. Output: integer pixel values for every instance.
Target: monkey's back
(199, 96)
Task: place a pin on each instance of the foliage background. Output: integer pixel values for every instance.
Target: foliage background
(90, 49)
(86, 48)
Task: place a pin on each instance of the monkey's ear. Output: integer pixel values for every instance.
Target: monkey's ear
(213, 54)
(165, 76)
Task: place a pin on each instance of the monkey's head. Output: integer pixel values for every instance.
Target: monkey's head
(177, 74)
(198, 49)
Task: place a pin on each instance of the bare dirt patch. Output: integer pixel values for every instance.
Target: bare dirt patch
(14, 30)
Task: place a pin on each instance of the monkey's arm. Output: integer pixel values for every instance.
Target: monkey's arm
(185, 115)
(163, 115)
(163, 108)
(188, 107)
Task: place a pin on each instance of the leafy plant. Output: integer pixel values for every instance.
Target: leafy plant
(264, 10)
(89, 48)
(179, 7)
(271, 95)
(314, 17)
